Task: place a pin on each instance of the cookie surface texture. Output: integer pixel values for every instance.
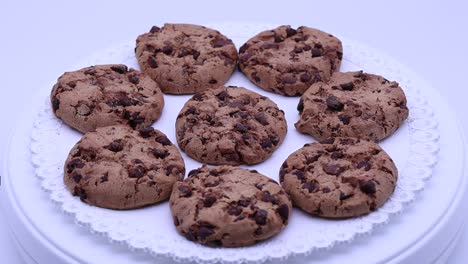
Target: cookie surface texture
(117, 167)
(229, 206)
(105, 95)
(185, 59)
(343, 177)
(287, 61)
(352, 104)
(230, 126)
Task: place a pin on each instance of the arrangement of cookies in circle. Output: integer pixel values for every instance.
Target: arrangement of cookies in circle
(123, 163)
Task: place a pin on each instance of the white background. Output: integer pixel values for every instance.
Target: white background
(40, 39)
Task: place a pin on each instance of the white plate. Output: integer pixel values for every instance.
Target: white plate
(413, 147)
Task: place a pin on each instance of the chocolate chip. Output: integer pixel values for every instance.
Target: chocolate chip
(170, 170)
(76, 177)
(137, 161)
(197, 97)
(78, 191)
(159, 153)
(184, 191)
(365, 164)
(347, 141)
(217, 43)
(167, 50)
(266, 143)
(134, 119)
(309, 186)
(154, 29)
(176, 221)
(300, 106)
(195, 54)
(344, 119)
(328, 141)
(367, 187)
(253, 171)
(288, 79)
(297, 50)
(213, 81)
(261, 217)
(209, 201)
(347, 86)
(283, 211)
(234, 210)
(214, 173)
(194, 172)
(270, 46)
(152, 62)
(90, 71)
(344, 196)
(315, 52)
(163, 140)
(205, 231)
(244, 47)
(268, 198)
(146, 132)
(333, 169)
(115, 146)
(305, 77)
(55, 104)
(74, 164)
(334, 104)
(137, 172)
(258, 232)
(211, 184)
(190, 111)
(222, 95)
(337, 155)
(311, 159)
(255, 77)
(290, 32)
(119, 69)
(261, 118)
(278, 38)
(241, 128)
(243, 203)
(375, 151)
(326, 190)
(133, 79)
(274, 140)
(104, 178)
(299, 174)
(361, 75)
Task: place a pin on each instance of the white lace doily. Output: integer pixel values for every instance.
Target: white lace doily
(413, 147)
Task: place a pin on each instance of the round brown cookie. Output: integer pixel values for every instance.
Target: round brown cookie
(287, 61)
(229, 206)
(230, 125)
(119, 168)
(352, 104)
(186, 58)
(341, 177)
(106, 95)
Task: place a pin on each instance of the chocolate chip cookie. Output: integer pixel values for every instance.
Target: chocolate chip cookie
(287, 61)
(229, 206)
(341, 177)
(106, 95)
(184, 58)
(230, 126)
(352, 104)
(117, 167)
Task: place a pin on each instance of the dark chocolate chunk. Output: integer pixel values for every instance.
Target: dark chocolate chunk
(305, 77)
(234, 210)
(154, 29)
(159, 153)
(345, 119)
(347, 86)
(283, 211)
(74, 164)
(315, 52)
(137, 172)
(146, 132)
(163, 140)
(243, 203)
(133, 79)
(290, 32)
(55, 104)
(115, 146)
(268, 198)
(344, 196)
(152, 62)
(288, 79)
(209, 200)
(184, 191)
(76, 177)
(367, 187)
(261, 217)
(119, 69)
(261, 118)
(334, 104)
(333, 169)
(309, 186)
(241, 128)
(365, 164)
(194, 172)
(300, 106)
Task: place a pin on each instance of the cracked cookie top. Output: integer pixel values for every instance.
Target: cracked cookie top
(229, 206)
(230, 126)
(185, 59)
(117, 167)
(287, 61)
(338, 178)
(352, 104)
(104, 95)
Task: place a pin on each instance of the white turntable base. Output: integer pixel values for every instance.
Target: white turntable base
(425, 232)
